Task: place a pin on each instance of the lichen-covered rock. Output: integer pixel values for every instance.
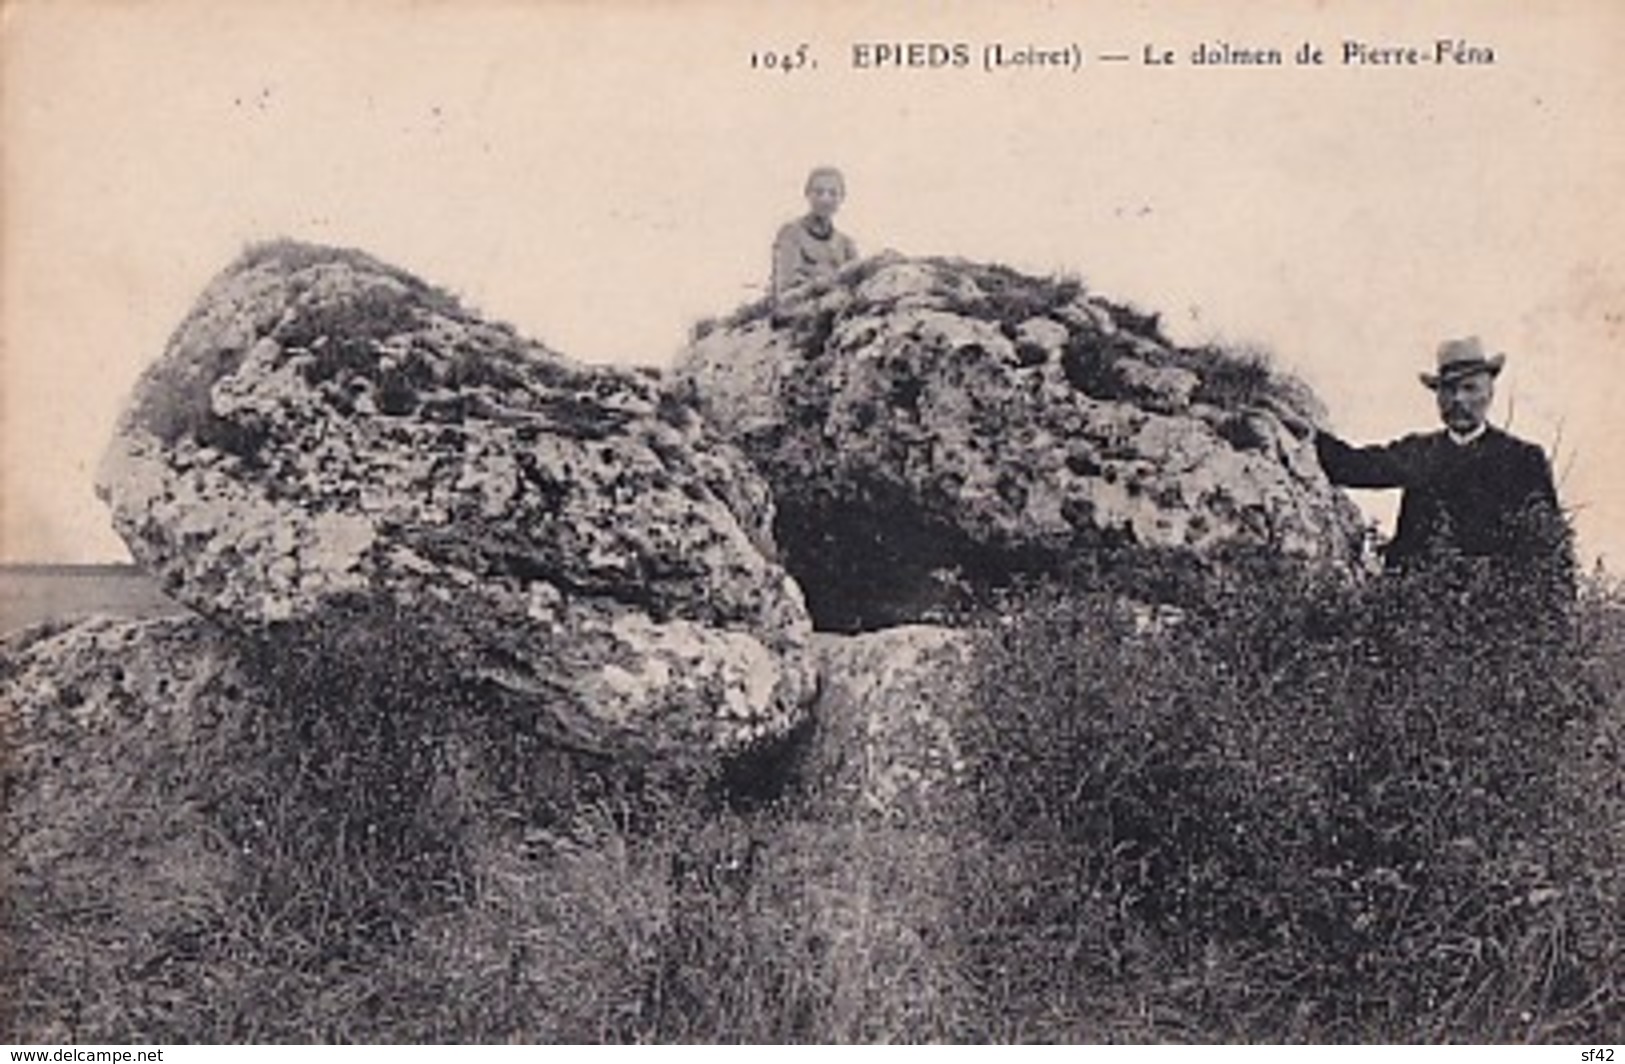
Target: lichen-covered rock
(85, 703)
(183, 808)
(329, 443)
(923, 418)
(111, 853)
(887, 747)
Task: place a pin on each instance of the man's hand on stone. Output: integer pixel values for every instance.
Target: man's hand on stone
(1294, 422)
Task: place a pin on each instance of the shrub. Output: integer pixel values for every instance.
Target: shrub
(1232, 380)
(1335, 813)
(1010, 297)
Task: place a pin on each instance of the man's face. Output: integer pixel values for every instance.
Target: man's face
(1465, 402)
(824, 195)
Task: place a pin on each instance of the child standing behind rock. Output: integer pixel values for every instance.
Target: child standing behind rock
(810, 247)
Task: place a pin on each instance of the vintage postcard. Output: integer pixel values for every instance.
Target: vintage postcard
(1226, 232)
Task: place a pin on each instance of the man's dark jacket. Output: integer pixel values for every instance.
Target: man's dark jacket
(1492, 497)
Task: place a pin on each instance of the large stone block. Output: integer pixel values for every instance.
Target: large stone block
(922, 420)
(330, 444)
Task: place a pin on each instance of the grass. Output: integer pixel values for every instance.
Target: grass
(1313, 813)
(1301, 812)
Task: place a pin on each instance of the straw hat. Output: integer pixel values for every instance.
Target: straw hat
(1462, 358)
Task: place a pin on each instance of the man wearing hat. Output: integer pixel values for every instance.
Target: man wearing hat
(1469, 489)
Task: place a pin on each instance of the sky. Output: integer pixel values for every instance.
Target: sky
(603, 176)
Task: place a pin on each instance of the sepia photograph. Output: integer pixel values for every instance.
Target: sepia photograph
(857, 522)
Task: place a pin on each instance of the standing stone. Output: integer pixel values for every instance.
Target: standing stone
(888, 744)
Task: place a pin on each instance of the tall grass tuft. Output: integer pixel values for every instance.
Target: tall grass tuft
(1308, 811)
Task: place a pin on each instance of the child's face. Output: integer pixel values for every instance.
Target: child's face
(824, 195)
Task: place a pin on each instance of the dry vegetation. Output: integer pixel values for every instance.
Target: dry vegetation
(1303, 812)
